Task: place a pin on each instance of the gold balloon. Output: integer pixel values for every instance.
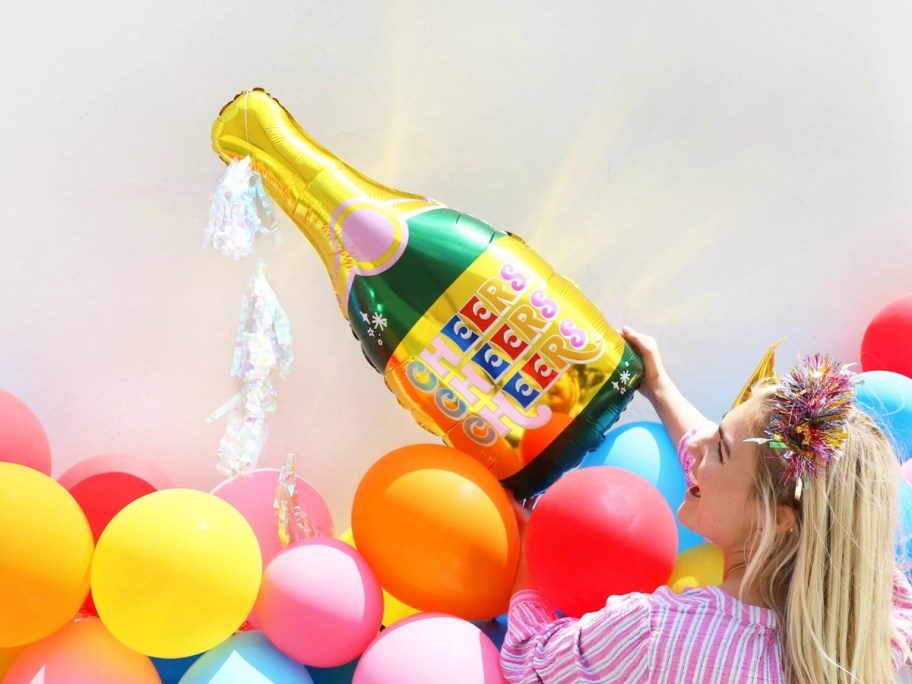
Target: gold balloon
(474, 333)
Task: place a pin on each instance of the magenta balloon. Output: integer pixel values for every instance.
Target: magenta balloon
(430, 647)
(22, 436)
(320, 603)
(254, 497)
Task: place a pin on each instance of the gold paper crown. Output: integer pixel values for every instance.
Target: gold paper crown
(765, 370)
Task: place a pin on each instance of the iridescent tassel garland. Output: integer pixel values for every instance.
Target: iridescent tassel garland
(234, 216)
(293, 523)
(262, 346)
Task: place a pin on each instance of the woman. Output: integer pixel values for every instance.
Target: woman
(798, 490)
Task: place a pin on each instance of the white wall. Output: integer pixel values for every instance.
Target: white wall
(718, 174)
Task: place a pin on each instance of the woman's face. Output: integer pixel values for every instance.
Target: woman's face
(721, 504)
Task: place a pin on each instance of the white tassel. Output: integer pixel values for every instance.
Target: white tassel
(234, 213)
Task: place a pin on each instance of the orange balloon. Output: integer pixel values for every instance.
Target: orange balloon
(45, 550)
(439, 531)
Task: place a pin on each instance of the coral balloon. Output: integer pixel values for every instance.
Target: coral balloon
(646, 449)
(175, 573)
(698, 566)
(887, 398)
(320, 602)
(888, 339)
(83, 651)
(254, 495)
(430, 648)
(246, 657)
(599, 531)
(45, 550)
(8, 657)
(393, 609)
(438, 530)
(22, 436)
(474, 333)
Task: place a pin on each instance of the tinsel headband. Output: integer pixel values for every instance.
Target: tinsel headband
(810, 409)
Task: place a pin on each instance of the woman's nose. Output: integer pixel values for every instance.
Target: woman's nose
(695, 448)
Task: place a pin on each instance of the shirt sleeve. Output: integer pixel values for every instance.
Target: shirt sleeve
(610, 645)
(902, 619)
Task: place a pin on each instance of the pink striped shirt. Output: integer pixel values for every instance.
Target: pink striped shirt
(701, 635)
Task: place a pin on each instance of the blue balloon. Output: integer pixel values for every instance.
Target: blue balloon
(246, 658)
(644, 448)
(343, 674)
(495, 629)
(904, 528)
(887, 398)
(170, 670)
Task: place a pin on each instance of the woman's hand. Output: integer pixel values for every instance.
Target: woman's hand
(677, 414)
(654, 375)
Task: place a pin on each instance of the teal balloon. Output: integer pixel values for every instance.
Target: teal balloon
(644, 448)
(246, 658)
(887, 398)
(343, 674)
(495, 629)
(170, 670)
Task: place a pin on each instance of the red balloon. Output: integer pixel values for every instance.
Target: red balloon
(103, 485)
(22, 436)
(888, 339)
(600, 531)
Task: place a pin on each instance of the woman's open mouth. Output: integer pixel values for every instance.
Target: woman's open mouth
(695, 491)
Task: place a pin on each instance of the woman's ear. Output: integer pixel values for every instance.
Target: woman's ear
(786, 518)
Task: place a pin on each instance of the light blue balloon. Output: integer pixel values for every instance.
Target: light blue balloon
(246, 658)
(904, 528)
(644, 448)
(887, 398)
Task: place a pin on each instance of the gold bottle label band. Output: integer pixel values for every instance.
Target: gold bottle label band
(488, 372)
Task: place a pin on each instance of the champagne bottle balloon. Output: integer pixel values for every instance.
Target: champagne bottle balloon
(473, 332)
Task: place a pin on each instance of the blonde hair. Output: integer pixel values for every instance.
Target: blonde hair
(829, 579)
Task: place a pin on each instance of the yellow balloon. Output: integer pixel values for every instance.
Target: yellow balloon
(698, 566)
(175, 573)
(393, 609)
(45, 551)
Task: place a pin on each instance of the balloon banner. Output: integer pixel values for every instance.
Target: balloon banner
(475, 334)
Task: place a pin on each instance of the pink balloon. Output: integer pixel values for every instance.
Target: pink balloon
(83, 651)
(430, 647)
(254, 497)
(103, 485)
(320, 603)
(22, 436)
